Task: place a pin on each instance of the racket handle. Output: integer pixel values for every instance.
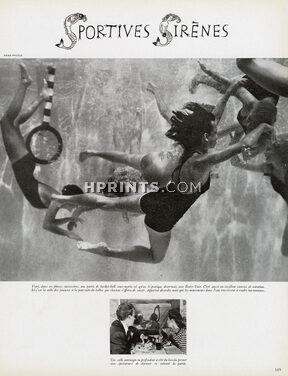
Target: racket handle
(48, 104)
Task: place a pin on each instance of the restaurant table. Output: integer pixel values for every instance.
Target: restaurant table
(166, 350)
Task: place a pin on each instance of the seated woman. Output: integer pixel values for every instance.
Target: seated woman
(37, 193)
(276, 168)
(193, 129)
(177, 332)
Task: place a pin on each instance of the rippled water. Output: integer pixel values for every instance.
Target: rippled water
(232, 233)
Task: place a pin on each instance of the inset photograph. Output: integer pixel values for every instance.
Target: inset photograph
(148, 326)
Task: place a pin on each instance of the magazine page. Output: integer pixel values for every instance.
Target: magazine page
(143, 188)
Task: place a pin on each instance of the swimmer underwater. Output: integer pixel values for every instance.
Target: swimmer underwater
(37, 193)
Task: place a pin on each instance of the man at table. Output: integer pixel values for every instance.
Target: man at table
(120, 335)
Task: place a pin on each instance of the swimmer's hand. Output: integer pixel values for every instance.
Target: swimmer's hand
(247, 152)
(73, 222)
(151, 88)
(203, 67)
(236, 82)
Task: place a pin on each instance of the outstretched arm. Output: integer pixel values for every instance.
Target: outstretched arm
(220, 106)
(223, 155)
(52, 224)
(218, 156)
(162, 106)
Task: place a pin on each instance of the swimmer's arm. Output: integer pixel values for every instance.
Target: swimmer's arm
(223, 155)
(52, 224)
(203, 161)
(253, 136)
(220, 106)
(256, 167)
(163, 108)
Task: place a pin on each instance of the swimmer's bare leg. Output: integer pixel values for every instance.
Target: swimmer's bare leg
(159, 244)
(217, 77)
(17, 102)
(28, 112)
(269, 74)
(221, 104)
(94, 201)
(241, 93)
(13, 140)
(133, 160)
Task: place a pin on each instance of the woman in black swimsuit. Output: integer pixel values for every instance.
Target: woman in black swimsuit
(37, 193)
(276, 167)
(193, 129)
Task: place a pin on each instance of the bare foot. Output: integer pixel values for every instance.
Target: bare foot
(99, 248)
(45, 92)
(25, 78)
(85, 155)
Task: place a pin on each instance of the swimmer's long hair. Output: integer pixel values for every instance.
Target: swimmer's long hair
(265, 111)
(189, 125)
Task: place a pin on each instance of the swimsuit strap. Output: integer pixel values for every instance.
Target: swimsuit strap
(179, 167)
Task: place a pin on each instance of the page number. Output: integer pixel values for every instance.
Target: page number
(278, 369)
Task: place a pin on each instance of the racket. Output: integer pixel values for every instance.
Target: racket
(45, 142)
